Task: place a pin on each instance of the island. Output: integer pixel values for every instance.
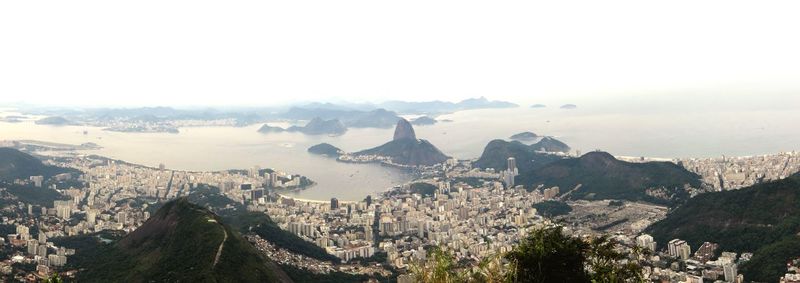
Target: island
(316, 126)
(569, 106)
(423, 121)
(405, 150)
(54, 121)
(538, 106)
(325, 149)
(524, 136)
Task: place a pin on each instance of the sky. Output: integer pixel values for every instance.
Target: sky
(247, 53)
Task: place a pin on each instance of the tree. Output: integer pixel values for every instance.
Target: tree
(55, 278)
(547, 255)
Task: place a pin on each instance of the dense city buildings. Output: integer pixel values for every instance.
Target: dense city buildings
(472, 212)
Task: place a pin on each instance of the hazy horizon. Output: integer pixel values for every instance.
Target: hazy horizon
(189, 53)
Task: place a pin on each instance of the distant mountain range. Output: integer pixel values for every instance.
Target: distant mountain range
(378, 118)
(181, 242)
(356, 115)
(151, 114)
(15, 164)
(569, 106)
(55, 121)
(316, 126)
(406, 149)
(763, 219)
(423, 121)
(436, 107)
(524, 136)
(598, 175)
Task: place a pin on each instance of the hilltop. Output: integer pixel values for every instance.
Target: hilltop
(424, 121)
(549, 144)
(54, 120)
(180, 242)
(406, 149)
(377, 118)
(497, 152)
(763, 219)
(601, 176)
(15, 164)
(316, 126)
(524, 136)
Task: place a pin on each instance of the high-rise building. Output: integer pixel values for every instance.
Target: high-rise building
(510, 172)
(730, 272)
(334, 203)
(679, 249)
(685, 251)
(706, 252)
(91, 216)
(23, 232)
(256, 194)
(254, 172)
(63, 208)
(42, 251)
(33, 246)
(122, 217)
(512, 165)
(246, 187)
(646, 241)
(37, 180)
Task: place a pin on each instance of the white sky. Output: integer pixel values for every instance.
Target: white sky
(265, 52)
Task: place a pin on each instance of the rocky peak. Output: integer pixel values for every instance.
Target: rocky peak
(404, 130)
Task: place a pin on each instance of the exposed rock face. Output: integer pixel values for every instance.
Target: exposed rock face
(406, 149)
(404, 130)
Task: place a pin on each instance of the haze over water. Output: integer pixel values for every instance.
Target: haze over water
(621, 129)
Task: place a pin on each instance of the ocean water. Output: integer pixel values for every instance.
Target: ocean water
(639, 131)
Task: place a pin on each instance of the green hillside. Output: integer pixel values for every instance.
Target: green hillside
(15, 164)
(602, 176)
(763, 219)
(497, 152)
(180, 242)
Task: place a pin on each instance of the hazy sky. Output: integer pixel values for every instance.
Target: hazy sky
(266, 52)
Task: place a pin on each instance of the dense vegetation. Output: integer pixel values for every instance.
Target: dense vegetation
(424, 189)
(497, 152)
(602, 176)
(15, 164)
(763, 219)
(549, 144)
(325, 149)
(34, 195)
(545, 255)
(178, 243)
(291, 242)
(236, 215)
(301, 275)
(552, 208)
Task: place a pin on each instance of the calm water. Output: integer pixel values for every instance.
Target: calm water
(669, 134)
